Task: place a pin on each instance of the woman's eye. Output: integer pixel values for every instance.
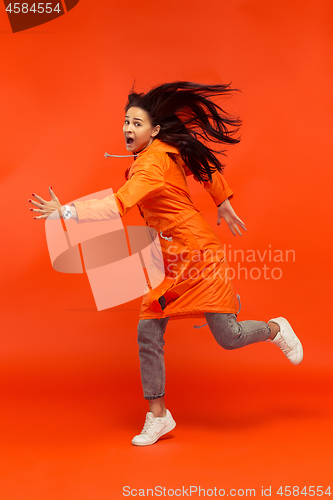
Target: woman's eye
(138, 124)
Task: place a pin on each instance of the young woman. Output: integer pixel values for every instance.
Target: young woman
(170, 131)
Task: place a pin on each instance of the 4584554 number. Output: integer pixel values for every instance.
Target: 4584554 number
(296, 491)
(36, 8)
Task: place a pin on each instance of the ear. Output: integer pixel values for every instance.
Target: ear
(156, 130)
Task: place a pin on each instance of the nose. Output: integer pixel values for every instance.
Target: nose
(128, 127)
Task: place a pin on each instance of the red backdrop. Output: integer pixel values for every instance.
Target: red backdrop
(70, 388)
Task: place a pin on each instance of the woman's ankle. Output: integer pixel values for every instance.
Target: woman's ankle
(274, 327)
(157, 407)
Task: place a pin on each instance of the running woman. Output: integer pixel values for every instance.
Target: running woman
(170, 131)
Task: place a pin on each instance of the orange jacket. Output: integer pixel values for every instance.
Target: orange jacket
(196, 272)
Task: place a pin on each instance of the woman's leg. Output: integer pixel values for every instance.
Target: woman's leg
(151, 354)
(230, 334)
(159, 420)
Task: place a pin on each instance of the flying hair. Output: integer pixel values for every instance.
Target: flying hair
(191, 121)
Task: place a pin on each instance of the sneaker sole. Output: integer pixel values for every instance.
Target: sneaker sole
(169, 428)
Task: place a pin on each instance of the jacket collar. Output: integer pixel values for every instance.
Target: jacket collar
(158, 146)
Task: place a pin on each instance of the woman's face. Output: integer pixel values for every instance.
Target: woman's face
(138, 130)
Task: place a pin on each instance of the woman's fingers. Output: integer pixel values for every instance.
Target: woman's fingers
(241, 223)
(38, 211)
(46, 208)
(234, 227)
(50, 215)
(42, 201)
(39, 198)
(238, 222)
(35, 203)
(231, 227)
(238, 230)
(53, 196)
(229, 215)
(41, 217)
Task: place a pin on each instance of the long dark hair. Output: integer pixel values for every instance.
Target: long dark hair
(189, 119)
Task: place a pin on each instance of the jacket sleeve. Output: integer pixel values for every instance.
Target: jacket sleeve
(218, 188)
(146, 181)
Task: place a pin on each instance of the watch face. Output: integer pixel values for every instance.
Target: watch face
(67, 214)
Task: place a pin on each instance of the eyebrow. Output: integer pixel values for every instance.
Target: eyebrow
(135, 118)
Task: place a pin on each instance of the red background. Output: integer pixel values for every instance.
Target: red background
(70, 389)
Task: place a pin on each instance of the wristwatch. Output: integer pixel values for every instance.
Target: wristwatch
(67, 212)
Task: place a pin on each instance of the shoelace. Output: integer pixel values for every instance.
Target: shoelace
(147, 426)
(282, 344)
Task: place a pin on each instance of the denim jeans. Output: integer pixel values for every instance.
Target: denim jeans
(227, 332)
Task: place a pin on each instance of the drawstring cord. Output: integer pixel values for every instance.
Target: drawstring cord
(119, 156)
(239, 302)
(200, 326)
(165, 237)
(240, 307)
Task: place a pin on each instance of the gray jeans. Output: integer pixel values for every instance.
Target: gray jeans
(227, 332)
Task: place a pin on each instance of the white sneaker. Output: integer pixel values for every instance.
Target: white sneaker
(288, 342)
(154, 428)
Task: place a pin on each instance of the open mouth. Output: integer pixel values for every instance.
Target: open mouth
(129, 140)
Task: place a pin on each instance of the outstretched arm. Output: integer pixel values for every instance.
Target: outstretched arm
(221, 193)
(147, 180)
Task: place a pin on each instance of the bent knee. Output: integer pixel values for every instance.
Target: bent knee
(228, 343)
(225, 330)
(229, 340)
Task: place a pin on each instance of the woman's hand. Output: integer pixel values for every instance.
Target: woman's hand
(226, 211)
(46, 208)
